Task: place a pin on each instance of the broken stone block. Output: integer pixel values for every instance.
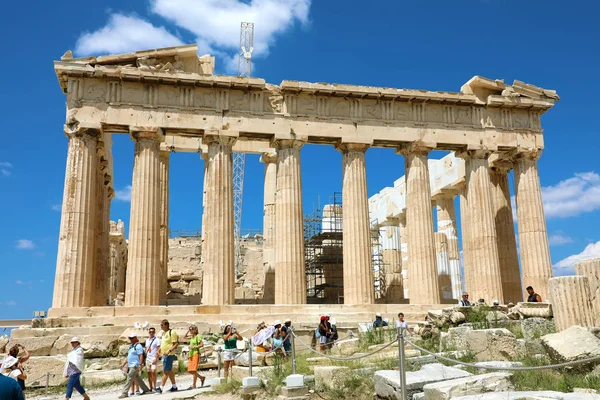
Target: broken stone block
(492, 344)
(574, 343)
(476, 384)
(329, 376)
(535, 328)
(387, 382)
(37, 346)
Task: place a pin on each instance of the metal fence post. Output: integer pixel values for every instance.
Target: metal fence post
(250, 362)
(219, 363)
(293, 343)
(401, 364)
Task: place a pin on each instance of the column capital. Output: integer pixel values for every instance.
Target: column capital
(295, 143)
(532, 154)
(220, 137)
(501, 163)
(268, 158)
(474, 153)
(146, 132)
(80, 129)
(348, 147)
(419, 147)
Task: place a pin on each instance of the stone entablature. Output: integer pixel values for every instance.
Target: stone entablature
(119, 91)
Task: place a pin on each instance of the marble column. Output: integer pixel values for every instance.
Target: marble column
(164, 224)
(218, 284)
(533, 238)
(446, 223)
(76, 245)
(468, 270)
(571, 304)
(591, 270)
(117, 260)
(142, 286)
(422, 270)
(404, 252)
(290, 279)
(357, 252)
(505, 233)
(392, 260)
(102, 265)
(443, 265)
(482, 240)
(270, 187)
(204, 157)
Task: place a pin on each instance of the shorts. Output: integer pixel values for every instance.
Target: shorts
(229, 355)
(150, 364)
(168, 363)
(193, 363)
(323, 339)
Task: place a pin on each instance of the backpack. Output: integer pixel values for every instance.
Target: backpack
(317, 333)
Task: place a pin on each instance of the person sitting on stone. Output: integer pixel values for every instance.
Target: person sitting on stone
(464, 302)
(264, 346)
(533, 296)
(278, 339)
(379, 322)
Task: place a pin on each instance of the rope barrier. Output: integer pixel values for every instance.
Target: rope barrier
(533, 368)
(346, 358)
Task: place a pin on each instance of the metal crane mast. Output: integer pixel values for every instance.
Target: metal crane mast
(239, 159)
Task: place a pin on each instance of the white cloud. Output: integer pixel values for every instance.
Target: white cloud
(5, 168)
(215, 24)
(25, 244)
(124, 33)
(123, 194)
(56, 207)
(573, 196)
(567, 265)
(8, 303)
(559, 239)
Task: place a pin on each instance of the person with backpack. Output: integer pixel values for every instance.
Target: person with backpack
(135, 362)
(168, 346)
(322, 333)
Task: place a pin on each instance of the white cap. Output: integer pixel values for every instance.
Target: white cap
(75, 339)
(378, 314)
(328, 315)
(287, 320)
(277, 322)
(132, 335)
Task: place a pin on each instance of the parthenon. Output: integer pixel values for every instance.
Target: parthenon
(170, 99)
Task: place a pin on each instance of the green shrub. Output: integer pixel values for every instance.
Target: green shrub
(374, 336)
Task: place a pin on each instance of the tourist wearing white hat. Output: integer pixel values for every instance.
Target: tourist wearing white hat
(135, 362)
(379, 322)
(73, 370)
(13, 369)
(278, 338)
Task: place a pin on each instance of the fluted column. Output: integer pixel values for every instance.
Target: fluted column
(117, 260)
(392, 260)
(101, 265)
(533, 237)
(204, 157)
(357, 252)
(218, 285)
(143, 262)
(571, 304)
(443, 265)
(422, 269)
(270, 187)
(505, 233)
(76, 245)
(446, 222)
(468, 269)
(482, 240)
(591, 270)
(404, 253)
(290, 279)
(164, 224)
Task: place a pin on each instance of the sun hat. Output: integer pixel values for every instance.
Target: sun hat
(287, 320)
(132, 335)
(277, 322)
(11, 363)
(378, 314)
(75, 339)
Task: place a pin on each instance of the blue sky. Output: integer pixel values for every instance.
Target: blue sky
(434, 45)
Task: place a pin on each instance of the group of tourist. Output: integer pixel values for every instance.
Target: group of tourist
(532, 297)
(380, 322)
(12, 373)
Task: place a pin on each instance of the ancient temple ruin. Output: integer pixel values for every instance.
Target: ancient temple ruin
(170, 99)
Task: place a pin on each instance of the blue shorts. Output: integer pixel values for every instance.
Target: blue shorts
(168, 363)
(74, 383)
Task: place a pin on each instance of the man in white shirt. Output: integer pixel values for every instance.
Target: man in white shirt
(401, 323)
(152, 353)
